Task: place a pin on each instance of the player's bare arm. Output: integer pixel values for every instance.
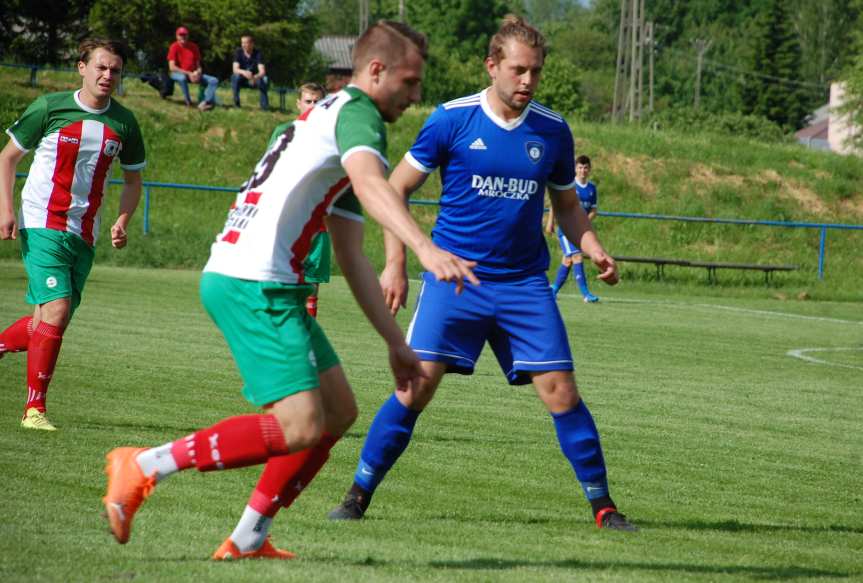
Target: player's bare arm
(129, 199)
(576, 226)
(370, 185)
(347, 237)
(9, 158)
(405, 180)
(549, 221)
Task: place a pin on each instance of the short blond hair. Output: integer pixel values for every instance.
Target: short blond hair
(387, 40)
(517, 28)
(311, 88)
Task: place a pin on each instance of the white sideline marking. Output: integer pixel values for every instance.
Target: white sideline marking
(800, 353)
(733, 309)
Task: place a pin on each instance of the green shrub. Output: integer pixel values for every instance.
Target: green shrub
(734, 124)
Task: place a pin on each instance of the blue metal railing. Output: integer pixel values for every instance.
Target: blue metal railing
(823, 227)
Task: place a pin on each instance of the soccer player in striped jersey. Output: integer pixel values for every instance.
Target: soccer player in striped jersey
(497, 152)
(78, 135)
(571, 258)
(254, 288)
(318, 263)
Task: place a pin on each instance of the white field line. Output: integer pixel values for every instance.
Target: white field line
(801, 354)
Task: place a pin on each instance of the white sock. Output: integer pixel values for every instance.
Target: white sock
(252, 530)
(157, 460)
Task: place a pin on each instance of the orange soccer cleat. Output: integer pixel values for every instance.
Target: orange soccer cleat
(229, 552)
(128, 487)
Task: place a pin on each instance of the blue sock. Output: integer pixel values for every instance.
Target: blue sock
(580, 278)
(388, 437)
(579, 441)
(562, 274)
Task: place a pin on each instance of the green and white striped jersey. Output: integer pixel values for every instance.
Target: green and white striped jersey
(76, 146)
(282, 206)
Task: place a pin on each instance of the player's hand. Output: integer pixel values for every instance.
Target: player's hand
(394, 283)
(8, 226)
(607, 267)
(406, 367)
(447, 267)
(118, 236)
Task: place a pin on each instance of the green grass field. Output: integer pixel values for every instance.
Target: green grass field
(738, 461)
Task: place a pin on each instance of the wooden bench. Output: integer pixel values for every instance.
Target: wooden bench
(711, 266)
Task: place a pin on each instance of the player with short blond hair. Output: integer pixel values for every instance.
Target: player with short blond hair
(254, 289)
(497, 151)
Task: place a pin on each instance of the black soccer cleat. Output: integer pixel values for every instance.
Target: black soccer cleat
(353, 507)
(611, 519)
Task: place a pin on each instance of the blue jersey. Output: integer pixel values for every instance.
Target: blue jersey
(494, 175)
(586, 196)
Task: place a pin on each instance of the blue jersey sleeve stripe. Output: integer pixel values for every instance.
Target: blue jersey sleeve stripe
(409, 158)
(543, 109)
(462, 101)
(556, 118)
(554, 186)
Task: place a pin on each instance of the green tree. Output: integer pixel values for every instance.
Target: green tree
(284, 35)
(777, 93)
(43, 32)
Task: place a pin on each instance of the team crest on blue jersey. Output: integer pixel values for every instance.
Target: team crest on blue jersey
(535, 150)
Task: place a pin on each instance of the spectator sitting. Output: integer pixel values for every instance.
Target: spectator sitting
(184, 63)
(249, 71)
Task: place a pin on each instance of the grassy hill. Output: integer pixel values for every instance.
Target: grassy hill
(636, 169)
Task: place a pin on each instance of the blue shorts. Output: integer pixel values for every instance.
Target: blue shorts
(520, 321)
(566, 245)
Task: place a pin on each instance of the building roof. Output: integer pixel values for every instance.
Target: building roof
(817, 130)
(337, 51)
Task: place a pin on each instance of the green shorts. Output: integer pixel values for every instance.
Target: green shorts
(318, 263)
(278, 347)
(57, 265)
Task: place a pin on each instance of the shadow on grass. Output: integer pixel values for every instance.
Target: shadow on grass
(735, 526)
(780, 572)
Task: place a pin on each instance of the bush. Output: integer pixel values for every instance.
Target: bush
(727, 123)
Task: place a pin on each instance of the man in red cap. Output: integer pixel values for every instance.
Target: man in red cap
(184, 64)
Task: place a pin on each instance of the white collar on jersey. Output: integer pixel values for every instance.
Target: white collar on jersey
(507, 125)
(90, 109)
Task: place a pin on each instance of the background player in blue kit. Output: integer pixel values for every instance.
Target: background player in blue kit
(571, 258)
(497, 152)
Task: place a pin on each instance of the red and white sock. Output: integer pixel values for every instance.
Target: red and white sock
(282, 481)
(16, 337)
(236, 442)
(42, 352)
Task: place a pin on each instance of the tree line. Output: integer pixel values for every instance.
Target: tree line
(768, 59)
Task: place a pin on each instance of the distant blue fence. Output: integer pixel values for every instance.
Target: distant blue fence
(823, 227)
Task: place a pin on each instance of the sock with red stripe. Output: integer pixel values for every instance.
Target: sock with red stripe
(16, 337)
(236, 442)
(42, 352)
(282, 481)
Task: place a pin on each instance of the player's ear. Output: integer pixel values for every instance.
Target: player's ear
(376, 67)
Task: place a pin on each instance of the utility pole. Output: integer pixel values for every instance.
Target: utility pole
(651, 44)
(621, 75)
(634, 63)
(363, 15)
(633, 34)
(702, 46)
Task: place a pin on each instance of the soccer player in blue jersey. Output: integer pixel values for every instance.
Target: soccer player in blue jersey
(497, 152)
(571, 258)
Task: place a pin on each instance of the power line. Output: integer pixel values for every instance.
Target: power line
(784, 80)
